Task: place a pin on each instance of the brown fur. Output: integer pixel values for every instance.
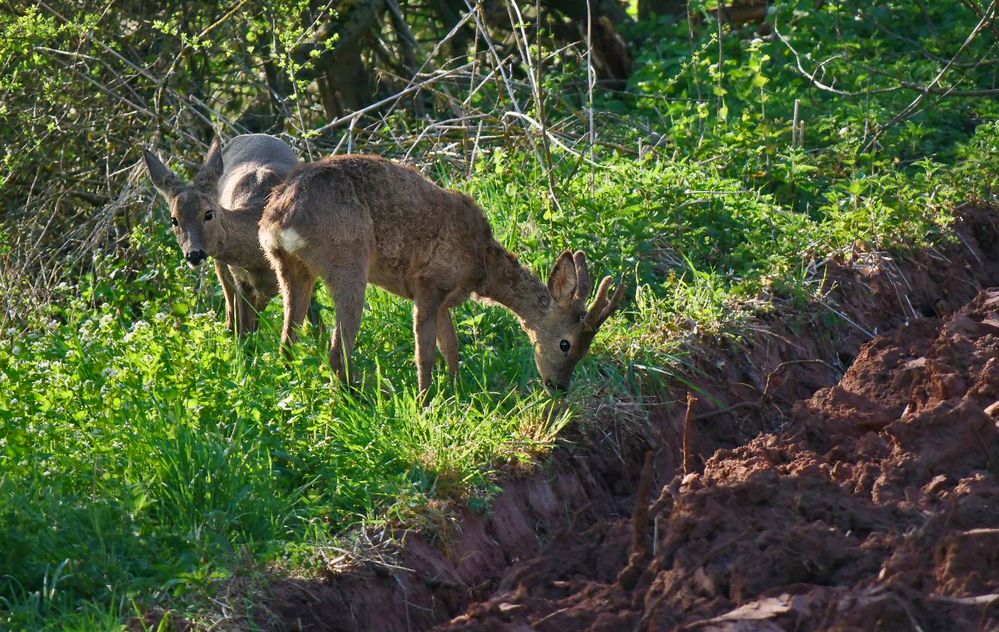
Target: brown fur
(234, 184)
(357, 219)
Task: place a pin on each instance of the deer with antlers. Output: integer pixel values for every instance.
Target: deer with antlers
(355, 219)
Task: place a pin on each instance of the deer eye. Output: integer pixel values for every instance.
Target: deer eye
(173, 222)
(209, 214)
(564, 346)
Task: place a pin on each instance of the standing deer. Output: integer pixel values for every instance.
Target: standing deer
(354, 219)
(216, 216)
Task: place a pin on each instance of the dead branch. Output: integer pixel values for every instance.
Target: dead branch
(688, 434)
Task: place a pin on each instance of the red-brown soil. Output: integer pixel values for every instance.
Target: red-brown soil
(870, 505)
(875, 508)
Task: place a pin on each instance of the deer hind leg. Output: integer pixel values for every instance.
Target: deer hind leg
(256, 303)
(260, 301)
(296, 283)
(246, 310)
(228, 292)
(447, 340)
(346, 282)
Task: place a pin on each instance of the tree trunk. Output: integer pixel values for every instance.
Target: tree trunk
(345, 83)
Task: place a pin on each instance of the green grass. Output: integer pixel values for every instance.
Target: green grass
(146, 455)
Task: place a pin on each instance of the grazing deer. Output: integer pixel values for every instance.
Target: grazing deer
(354, 219)
(216, 216)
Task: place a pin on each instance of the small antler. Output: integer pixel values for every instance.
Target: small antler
(584, 285)
(602, 308)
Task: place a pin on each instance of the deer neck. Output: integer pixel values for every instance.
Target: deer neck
(510, 284)
(238, 244)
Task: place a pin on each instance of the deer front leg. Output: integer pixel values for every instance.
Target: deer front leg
(347, 283)
(447, 340)
(296, 284)
(425, 328)
(228, 292)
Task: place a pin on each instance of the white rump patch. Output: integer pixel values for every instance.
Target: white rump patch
(291, 240)
(288, 239)
(269, 240)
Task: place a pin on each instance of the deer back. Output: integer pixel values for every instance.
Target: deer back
(253, 164)
(414, 227)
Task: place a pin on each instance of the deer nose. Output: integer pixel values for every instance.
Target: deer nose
(553, 387)
(196, 257)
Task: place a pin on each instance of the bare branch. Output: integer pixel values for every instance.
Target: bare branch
(909, 110)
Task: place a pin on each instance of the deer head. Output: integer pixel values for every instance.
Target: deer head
(194, 208)
(567, 327)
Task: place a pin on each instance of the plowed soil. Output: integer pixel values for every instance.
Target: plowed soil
(839, 473)
(876, 508)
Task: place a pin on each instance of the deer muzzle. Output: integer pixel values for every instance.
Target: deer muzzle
(556, 387)
(196, 257)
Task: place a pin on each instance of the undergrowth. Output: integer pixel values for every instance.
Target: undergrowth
(146, 454)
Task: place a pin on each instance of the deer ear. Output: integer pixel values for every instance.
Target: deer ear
(208, 177)
(562, 282)
(165, 181)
